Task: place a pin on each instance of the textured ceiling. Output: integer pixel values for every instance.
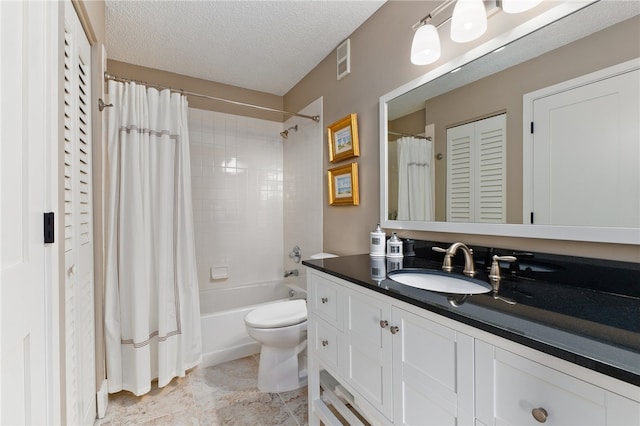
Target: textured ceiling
(261, 45)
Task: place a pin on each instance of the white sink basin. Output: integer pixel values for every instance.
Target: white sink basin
(442, 282)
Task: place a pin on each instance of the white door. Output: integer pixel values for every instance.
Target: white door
(78, 236)
(586, 154)
(25, 139)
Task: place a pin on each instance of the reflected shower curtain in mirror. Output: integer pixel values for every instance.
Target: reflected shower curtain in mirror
(415, 179)
(152, 309)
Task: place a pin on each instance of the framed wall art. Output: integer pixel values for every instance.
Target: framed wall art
(343, 139)
(343, 185)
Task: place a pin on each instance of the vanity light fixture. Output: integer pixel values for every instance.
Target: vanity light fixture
(425, 48)
(468, 22)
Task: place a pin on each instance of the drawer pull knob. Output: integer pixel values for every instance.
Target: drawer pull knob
(540, 414)
(324, 300)
(325, 343)
(384, 323)
(394, 329)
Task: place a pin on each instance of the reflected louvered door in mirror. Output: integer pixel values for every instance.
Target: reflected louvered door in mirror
(78, 239)
(476, 171)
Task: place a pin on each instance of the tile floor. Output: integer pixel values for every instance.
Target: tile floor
(224, 394)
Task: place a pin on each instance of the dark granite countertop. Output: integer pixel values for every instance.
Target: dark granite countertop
(581, 310)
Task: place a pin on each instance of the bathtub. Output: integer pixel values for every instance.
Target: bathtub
(222, 312)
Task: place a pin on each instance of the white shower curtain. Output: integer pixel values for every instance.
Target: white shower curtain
(152, 308)
(415, 179)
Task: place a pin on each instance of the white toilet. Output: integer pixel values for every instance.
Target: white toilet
(281, 328)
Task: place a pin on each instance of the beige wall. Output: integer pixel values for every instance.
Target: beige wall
(379, 63)
(205, 87)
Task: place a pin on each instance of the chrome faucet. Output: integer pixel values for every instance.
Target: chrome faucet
(293, 272)
(296, 254)
(447, 264)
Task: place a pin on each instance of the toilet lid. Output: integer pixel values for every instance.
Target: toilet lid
(280, 314)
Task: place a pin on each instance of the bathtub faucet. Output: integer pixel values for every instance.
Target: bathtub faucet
(293, 272)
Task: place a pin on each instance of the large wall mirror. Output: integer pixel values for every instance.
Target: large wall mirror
(440, 119)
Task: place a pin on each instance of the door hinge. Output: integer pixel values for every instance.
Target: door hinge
(532, 218)
(49, 227)
(532, 127)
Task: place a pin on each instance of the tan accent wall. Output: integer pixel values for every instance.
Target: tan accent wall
(380, 62)
(205, 87)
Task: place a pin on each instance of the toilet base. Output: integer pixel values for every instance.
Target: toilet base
(280, 370)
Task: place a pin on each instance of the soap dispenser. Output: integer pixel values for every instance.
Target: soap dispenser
(394, 246)
(376, 240)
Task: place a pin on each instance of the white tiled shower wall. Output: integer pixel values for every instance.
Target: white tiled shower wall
(237, 183)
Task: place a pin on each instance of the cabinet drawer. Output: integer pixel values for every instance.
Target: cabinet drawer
(325, 300)
(525, 390)
(327, 345)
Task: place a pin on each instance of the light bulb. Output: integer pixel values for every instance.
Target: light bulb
(469, 20)
(517, 6)
(425, 48)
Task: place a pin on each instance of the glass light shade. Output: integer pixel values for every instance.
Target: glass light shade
(469, 20)
(425, 48)
(517, 6)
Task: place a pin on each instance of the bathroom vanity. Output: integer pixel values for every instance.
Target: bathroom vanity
(558, 341)
(559, 344)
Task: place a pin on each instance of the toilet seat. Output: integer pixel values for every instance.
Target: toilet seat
(280, 314)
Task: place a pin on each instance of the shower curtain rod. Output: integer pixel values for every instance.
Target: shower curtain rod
(407, 134)
(108, 76)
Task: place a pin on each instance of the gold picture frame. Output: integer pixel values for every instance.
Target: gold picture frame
(343, 185)
(343, 139)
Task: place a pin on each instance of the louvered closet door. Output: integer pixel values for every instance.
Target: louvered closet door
(460, 206)
(491, 189)
(78, 243)
(476, 171)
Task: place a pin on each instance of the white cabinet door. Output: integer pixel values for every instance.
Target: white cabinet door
(368, 346)
(432, 373)
(513, 390)
(326, 343)
(325, 299)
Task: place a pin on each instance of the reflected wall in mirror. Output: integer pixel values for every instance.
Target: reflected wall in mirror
(596, 37)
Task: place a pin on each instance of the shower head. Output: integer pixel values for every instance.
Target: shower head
(285, 133)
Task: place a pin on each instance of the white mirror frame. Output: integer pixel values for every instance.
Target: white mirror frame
(574, 233)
